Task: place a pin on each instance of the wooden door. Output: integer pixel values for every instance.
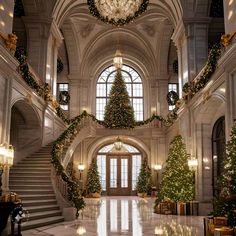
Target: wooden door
(119, 174)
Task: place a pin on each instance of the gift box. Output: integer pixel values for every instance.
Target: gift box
(223, 231)
(10, 197)
(208, 223)
(168, 207)
(181, 208)
(220, 221)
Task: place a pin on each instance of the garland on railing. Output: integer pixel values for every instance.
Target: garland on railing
(194, 86)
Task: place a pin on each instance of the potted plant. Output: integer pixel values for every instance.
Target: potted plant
(143, 186)
(93, 184)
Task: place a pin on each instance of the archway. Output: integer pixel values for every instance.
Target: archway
(119, 169)
(218, 152)
(25, 131)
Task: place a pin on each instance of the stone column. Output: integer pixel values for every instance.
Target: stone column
(191, 40)
(74, 96)
(44, 38)
(230, 16)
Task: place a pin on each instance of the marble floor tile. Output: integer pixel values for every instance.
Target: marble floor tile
(133, 216)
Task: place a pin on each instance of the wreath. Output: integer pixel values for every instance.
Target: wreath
(64, 98)
(172, 97)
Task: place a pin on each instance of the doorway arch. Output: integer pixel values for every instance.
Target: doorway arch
(119, 169)
(25, 129)
(218, 152)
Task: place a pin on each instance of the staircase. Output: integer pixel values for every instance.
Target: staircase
(31, 180)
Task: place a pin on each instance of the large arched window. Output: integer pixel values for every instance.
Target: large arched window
(134, 86)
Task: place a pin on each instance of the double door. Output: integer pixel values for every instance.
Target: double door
(119, 174)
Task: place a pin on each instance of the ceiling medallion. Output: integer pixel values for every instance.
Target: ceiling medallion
(117, 12)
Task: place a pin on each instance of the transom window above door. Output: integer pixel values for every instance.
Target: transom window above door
(134, 87)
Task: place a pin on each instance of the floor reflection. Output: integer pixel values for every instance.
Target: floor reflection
(124, 216)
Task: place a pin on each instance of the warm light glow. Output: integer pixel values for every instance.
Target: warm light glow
(205, 160)
(81, 230)
(2, 7)
(10, 14)
(117, 60)
(118, 144)
(3, 152)
(158, 167)
(207, 168)
(153, 110)
(158, 230)
(81, 167)
(231, 2)
(222, 90)
(10, 156)
(230, 14)
(192, 163)
(215, 157)
(2, 23)
(118, 9)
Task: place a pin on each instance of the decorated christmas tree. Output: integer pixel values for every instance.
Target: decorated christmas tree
(225, 204)
(93, 184)
(119, 112)
(144, 178)
(177, 180)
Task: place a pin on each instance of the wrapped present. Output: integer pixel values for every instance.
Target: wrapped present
(168, 207)
(208, 222)
(223, 231)
(181, 208)
(220, 221)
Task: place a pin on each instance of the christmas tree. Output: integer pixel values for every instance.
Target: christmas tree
(144, 178)
(93, 184)
(225, 204)
(177, 180)
(118, 112)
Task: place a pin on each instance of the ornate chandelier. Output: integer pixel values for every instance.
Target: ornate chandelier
(117, 12)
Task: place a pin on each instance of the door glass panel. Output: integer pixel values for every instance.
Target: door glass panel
(124, 173)
(136, 165)
(101, 162)
(113, 173)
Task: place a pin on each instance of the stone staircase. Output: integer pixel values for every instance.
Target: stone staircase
(31, 180)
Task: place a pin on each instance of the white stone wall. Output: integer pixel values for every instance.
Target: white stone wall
(6, 16)
(230, 16)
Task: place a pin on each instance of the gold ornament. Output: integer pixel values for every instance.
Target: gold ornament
(10, 41)
(55, 104)
(226, 38)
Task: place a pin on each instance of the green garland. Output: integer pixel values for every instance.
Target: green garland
(64, 98)
(172, 97)
(95, 12)
(195, 86)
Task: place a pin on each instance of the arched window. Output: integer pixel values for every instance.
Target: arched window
(218, 152)
(134, 86)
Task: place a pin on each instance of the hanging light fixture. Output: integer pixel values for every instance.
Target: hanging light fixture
(117, 60)
(117, 12)
(118, 144)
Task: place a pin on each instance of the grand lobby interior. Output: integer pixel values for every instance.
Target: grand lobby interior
(101, 98)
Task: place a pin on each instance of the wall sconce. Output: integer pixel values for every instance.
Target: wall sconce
(6, 159)
(118, 144)
(157, 167)
(193, 163)
(81, 169)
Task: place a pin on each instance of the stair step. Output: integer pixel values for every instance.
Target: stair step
(42, 215)
(42, 208)
(14, 177)
(32, 191)
(42, 222)
(29, 173)
(31, 169)
(36, 161)
(16, 187)
(27, 203)
(30, 182)
(37, 196)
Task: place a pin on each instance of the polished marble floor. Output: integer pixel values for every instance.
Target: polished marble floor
(133, 216)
